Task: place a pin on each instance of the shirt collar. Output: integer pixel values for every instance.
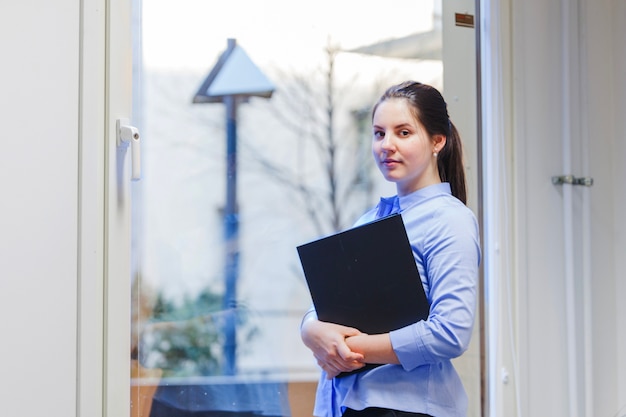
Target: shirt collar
(395, 204)
(423, 194)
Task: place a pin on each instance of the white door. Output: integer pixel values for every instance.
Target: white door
(119, 168)
(551, 245)
(534, 245)
(106, 206)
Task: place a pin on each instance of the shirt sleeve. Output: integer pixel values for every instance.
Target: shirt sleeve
(449, 254)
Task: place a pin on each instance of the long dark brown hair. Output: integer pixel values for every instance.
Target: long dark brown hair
(429, 108)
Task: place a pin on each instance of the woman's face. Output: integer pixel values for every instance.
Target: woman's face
(402, 148)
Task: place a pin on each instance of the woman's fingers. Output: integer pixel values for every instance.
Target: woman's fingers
(327, 341)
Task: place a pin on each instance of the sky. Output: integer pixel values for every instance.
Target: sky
(190, 34)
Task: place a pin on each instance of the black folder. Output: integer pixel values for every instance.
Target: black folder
(365, 277)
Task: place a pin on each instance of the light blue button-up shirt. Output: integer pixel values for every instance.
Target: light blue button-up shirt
(444, 236)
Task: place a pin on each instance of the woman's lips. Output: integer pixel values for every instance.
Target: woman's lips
(390, 162)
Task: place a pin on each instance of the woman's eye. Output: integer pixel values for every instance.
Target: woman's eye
(379, 134)
(405, 133)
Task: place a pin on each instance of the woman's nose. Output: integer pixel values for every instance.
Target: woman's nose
(387, 143)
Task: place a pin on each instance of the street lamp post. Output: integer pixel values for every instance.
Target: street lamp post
(233, 80)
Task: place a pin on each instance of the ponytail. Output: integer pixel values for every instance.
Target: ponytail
(450, 164)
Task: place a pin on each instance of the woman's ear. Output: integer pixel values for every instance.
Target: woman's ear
(439, 141)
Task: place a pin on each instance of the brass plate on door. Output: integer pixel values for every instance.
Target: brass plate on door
(464, 20)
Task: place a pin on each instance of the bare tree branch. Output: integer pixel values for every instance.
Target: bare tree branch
(328, 177)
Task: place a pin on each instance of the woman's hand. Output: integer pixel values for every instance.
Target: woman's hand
(327, 341)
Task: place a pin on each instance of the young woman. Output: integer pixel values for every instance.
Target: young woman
(417, 147)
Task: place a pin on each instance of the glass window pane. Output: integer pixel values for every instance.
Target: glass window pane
(229, 190)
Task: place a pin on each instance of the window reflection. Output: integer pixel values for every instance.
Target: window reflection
(304, 170)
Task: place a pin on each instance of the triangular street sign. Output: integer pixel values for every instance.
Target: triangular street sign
(234, 74)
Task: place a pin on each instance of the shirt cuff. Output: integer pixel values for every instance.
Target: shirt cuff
(408, 346)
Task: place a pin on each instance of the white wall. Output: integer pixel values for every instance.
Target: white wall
(52, 164)
(460, 90)
(39, 119)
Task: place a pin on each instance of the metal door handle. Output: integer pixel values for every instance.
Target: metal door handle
(570, 179)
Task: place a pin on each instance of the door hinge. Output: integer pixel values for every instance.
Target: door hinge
(570, 179)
